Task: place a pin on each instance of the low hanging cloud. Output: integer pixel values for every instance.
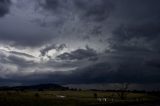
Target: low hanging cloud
(22, 54)
(16, 59)
(78, 54)
(129, 32)
(108, 69)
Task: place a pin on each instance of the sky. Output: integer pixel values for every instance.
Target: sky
(79, 41)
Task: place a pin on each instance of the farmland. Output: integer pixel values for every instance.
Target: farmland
(73, 98)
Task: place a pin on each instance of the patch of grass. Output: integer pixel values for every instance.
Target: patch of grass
(72, 98)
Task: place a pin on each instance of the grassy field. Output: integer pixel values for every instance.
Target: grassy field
(70, 98)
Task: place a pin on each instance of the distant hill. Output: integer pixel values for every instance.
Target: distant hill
(39, 87)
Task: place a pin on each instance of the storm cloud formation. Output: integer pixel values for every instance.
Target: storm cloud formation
(4, 7)
(94, 10)
(79, 41)
(78, 54)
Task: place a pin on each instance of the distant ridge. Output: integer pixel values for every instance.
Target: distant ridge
(39, 87)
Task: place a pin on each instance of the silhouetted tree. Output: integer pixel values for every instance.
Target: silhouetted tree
(122, 93)
(36, 95)
(95, 95)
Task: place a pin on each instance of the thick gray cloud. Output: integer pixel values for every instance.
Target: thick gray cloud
(119, 67)
(50, 4)
(138, 10)
(19, 61)
(138, 29)
(143, 37)
(4, 7)
(24, 37)
(16, 59)
(95, 10)
(122, 37)
(78, 54)
(57, 18)
(113, 70)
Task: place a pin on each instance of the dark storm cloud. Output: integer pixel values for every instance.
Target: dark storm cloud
(139, 28)
(50, 4)
(135, 43)
(25, 38)
(113, 68)
(147, 30)
(143, 14)
(130, 31)
(139, 10)
(117, 69)
(144, 37)
(18, 31)
(78, 54)
(154, 62)
(146, 25)
(92, 10)
(4, 7)
(96, 10)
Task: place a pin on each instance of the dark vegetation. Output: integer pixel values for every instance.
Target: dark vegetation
(39, 87)
(56, 95)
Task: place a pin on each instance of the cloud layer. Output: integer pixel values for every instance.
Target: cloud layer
(4, 7)
(79, 41)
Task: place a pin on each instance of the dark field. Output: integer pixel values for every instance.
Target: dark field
(75, 98)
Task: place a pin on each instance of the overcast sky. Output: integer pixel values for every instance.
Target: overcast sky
(79, 41)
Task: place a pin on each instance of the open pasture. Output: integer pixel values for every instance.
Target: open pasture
(71, 98)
